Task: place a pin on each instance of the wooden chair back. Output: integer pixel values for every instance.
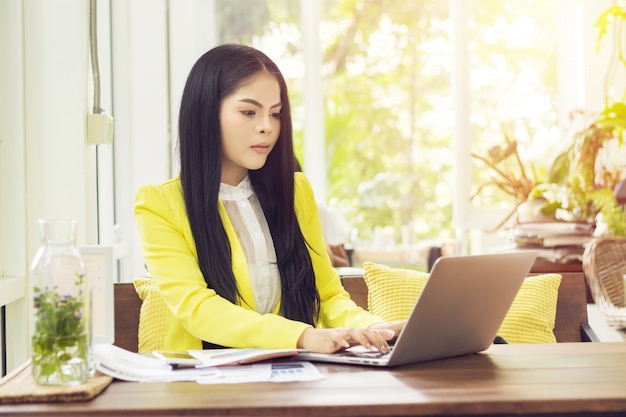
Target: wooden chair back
(127, 305)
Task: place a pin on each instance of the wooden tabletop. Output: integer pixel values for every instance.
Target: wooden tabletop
(577, 379)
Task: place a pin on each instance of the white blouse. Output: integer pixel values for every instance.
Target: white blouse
(246, 215)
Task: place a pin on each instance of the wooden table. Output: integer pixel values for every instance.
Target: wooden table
(573, 379)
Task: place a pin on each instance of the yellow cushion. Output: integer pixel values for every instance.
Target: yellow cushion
(152, 316)
(393, 291)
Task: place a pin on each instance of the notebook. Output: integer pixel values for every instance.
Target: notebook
(459, 311)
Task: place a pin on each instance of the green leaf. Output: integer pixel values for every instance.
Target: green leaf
(606, 19)
(560, 169)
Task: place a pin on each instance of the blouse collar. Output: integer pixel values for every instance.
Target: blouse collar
(241, 191)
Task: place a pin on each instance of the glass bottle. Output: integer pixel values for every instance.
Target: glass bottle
(60, 309)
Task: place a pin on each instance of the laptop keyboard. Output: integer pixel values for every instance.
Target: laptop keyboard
(367, 354)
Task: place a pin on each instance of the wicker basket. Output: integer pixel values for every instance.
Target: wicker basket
(604, 264)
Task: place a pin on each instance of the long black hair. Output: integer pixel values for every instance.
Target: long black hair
(217, 74)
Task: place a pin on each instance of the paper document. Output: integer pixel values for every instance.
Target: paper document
(295, 371)
(271, 372)
(256, 372)
(129, 366)
(220, 357)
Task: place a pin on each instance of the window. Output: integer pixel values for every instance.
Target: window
(409, 90)
(513, 84)
(388, 74)
(388, 123)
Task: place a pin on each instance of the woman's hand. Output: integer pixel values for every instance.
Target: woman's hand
(331, 340)
(395, 326)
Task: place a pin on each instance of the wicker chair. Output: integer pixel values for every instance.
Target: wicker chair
(604, 264)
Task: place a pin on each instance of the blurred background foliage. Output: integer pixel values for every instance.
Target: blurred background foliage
(387, 87)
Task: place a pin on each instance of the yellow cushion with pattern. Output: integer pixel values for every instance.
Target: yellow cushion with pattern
(152, 316)
(392, 293)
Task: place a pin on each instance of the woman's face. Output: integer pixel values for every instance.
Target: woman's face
(250, 125)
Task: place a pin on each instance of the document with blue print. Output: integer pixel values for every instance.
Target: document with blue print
(267, 372)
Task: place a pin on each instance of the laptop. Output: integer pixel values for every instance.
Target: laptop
(459, 311)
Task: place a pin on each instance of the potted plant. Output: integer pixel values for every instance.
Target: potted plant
(574, 188)
(589, 192)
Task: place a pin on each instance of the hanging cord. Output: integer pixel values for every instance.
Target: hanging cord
(95, 66)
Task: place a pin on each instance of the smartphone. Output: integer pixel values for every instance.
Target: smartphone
(177, 358)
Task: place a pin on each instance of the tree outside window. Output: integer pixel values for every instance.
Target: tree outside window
(388, 113)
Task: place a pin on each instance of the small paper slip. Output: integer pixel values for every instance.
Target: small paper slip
(222, 357)
(257, 372)
(129, 366)
(267, 372)
(295, 371)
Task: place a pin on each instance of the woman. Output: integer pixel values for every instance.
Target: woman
(234, 244)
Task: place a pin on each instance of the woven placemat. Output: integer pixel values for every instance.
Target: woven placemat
(20, 387)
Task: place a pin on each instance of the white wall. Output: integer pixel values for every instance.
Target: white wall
(155, 44)
(141, 113)
(192, 32)
(55, 93)
(42, 118)
(13, 263)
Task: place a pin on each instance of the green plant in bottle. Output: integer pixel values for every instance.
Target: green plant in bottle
(59, 342)
(60, 331)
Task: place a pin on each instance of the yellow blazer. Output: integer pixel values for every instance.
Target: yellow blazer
(196, 312)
